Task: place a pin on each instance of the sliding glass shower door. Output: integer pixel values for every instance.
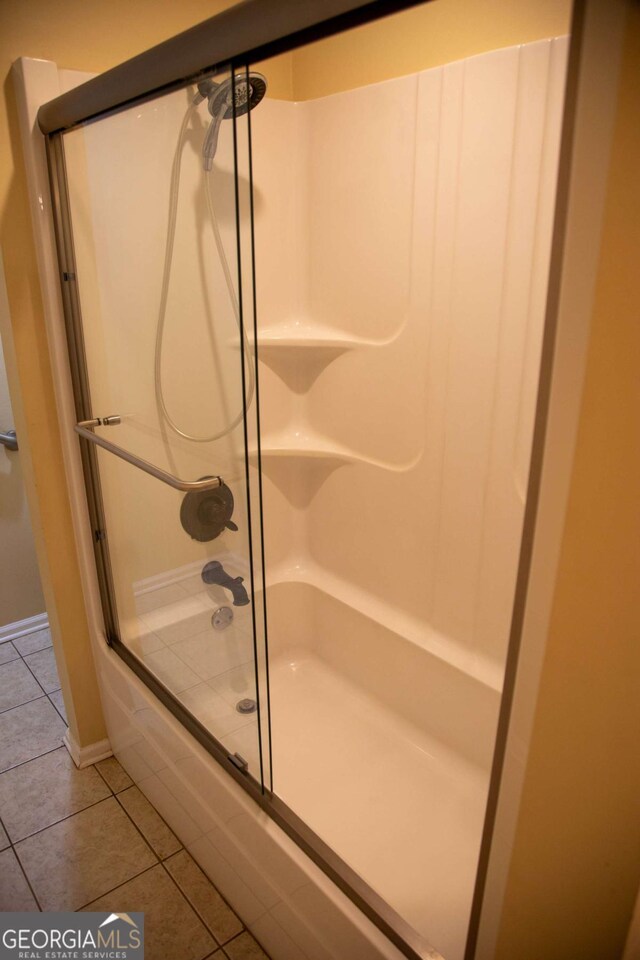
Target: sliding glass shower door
(161, 291)
(398, 215)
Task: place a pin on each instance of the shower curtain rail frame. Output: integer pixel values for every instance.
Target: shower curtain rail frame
(249, 31)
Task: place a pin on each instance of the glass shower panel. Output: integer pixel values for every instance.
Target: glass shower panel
(154, 197)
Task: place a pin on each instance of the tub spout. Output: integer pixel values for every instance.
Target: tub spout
(214, 572)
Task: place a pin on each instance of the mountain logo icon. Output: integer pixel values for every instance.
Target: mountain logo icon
(119, 916)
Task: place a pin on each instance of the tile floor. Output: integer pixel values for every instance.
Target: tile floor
(89, 839)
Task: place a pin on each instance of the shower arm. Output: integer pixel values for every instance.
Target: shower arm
(85, 429)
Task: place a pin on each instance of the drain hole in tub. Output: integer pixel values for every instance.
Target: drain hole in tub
(221, 618)
(247, 705)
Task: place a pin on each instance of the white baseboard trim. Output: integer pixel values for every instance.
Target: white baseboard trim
(20, 628)
(86, 756)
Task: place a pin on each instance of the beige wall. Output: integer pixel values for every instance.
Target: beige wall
(427, 36)
(20, 590)
(576, 863)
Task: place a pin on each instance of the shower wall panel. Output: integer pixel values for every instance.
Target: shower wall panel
(403, 234)
(401, 304)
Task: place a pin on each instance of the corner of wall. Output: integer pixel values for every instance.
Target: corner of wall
(29, 368)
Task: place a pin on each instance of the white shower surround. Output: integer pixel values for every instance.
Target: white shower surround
(288, 903)
(402, 246)
(403, 235)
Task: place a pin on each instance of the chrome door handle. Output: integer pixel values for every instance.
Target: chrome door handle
(9, 440)
(84, 429)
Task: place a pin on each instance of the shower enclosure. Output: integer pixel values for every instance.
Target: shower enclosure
(305, 309)
(167, 408)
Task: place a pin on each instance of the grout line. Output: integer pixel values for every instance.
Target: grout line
(117, 887)
(49, 646)
(61, 820)
(107, 892)
(13, 659)
(59, 712)
(189, 902)
(211, 884)
(24, 660)
(102, 777)
(162, 863)
(175, 853)
(42, 696)
(47, 694)
(68, 817)
(113, 795)
(124, 809)
(24, 872)
(37, 757)
(246, 930)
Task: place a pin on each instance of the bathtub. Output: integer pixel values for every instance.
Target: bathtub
(384, 750)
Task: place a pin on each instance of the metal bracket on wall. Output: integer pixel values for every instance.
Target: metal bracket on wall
(9, 440)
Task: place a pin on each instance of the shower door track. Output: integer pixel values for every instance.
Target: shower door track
(255, 30)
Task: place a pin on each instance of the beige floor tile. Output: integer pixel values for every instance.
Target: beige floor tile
(33, 642)
(172, 929)
(14, 889)
(44, 791)
(83, 857)
(8, 652)
(58, 702)
(16, 685)
(201, 893)
(4, 839)
(29, 731)
(149, 823)
(115, 775)
(245, 947)
(43, 665)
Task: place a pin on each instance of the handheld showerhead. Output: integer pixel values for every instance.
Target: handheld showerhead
(236, 95)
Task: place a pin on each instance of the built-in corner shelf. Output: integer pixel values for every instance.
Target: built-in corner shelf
(303, 447)
(305, 335)
(298, 351)
(311, 446)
